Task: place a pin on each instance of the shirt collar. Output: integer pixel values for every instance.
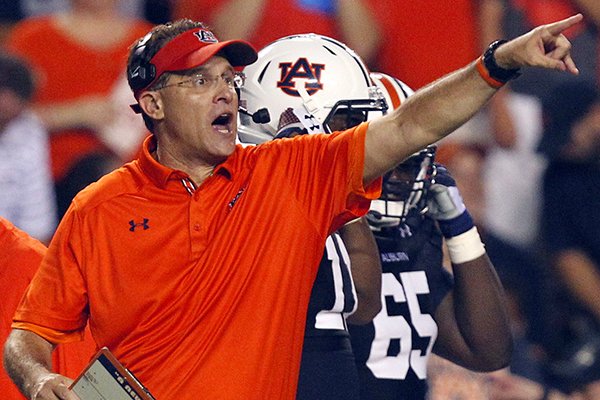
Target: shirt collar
(160, 174)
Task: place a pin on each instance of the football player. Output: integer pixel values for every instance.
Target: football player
(457, 313)
(314, 84)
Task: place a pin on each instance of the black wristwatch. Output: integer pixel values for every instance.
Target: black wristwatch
(500, 74)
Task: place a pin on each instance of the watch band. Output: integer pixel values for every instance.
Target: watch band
(493, 74)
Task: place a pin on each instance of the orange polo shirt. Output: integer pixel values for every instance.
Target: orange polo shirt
(203, 295)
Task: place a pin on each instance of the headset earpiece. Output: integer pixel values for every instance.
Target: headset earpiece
(141, 73)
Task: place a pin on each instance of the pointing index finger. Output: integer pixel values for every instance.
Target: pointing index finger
(556, 28)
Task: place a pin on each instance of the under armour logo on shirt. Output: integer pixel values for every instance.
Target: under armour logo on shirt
(144, 224)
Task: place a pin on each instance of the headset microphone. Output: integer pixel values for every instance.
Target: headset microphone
(261, 116)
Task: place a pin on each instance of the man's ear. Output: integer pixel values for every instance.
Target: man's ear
(151, 103)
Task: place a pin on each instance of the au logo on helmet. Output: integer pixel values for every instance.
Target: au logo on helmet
(301, 69)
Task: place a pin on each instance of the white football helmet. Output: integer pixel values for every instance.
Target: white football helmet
(394, 90)
(404, 188)
(305, 80)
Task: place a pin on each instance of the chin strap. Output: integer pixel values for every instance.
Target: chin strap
(315, 114)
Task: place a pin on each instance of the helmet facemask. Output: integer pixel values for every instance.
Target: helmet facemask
(345, 114)
(404, 192)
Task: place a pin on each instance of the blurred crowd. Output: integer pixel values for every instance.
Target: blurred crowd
(528, 166)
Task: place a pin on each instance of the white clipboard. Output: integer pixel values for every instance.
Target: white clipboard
(105, 378)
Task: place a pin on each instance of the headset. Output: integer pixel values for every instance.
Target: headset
(141, 71)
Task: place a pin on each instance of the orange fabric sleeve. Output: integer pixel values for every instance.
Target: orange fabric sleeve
(67, 315)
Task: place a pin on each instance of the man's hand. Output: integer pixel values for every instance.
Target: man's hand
(28, 362)
(433, 113)
(544, 46)
(51, 387)
(445, 204)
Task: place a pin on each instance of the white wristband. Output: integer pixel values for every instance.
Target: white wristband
(465, 247)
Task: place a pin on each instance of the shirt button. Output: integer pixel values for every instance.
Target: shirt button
(196, 227)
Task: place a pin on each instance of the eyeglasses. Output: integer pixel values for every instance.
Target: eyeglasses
(201, 82)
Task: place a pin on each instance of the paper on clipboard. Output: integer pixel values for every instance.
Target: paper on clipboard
(105, 378)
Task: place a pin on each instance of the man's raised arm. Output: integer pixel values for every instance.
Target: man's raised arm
(442, 106)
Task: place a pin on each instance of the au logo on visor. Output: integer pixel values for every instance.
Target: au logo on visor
(206, 36)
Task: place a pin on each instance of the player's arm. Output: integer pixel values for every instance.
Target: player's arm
(441, 107)
(472, 319)
(28, 361)
(473, 325)
(365, 267)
